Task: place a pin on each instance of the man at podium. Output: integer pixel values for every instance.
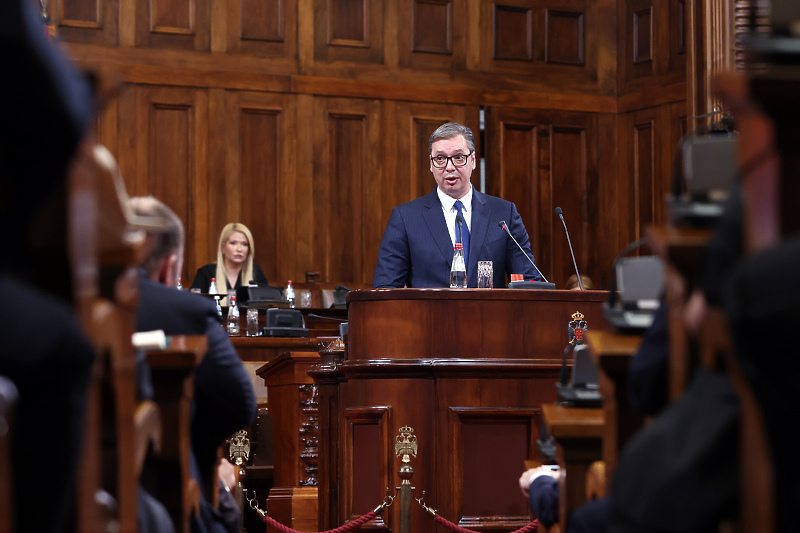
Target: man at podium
(417, 245)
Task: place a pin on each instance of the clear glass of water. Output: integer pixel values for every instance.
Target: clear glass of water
(305, 298)
(485, 275)
(252, 322)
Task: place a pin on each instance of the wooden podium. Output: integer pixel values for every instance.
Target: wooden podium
(468, 370)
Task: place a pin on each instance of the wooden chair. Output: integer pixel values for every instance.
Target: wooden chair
(120, 429)
(105, 242)
(8, 400)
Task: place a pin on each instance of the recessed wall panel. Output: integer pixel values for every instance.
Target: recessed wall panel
(432, 26)
(262, 20)
(564, 37)
(260, 156)
(513, 33)
(172, 16)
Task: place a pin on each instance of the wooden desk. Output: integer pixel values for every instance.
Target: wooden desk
(578, 433)
(611, 352)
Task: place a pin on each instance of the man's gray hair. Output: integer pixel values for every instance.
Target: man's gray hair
(451, 130)
(166, 241)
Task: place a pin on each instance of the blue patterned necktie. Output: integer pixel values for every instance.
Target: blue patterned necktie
(463, 238)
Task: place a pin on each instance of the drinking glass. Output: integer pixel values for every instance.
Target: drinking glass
(305, 298)
(485, 275)
(252, 322)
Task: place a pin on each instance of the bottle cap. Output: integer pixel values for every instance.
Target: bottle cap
(459, 246)
(213, 279)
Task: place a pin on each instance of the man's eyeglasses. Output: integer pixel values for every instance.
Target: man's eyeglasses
(458, 160)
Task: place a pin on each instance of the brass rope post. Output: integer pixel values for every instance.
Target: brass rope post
(405, 446)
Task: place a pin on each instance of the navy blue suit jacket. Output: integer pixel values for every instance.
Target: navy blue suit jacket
(416, 250)
(224, 401)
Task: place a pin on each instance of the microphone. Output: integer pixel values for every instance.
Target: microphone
(561, 216)
(504, 227)
(564, 373)
(460, 220)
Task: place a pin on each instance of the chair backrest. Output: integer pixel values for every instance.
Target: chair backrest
(119, 427)
(8, 400)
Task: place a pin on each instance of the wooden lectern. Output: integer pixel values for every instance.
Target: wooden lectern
(467, 371)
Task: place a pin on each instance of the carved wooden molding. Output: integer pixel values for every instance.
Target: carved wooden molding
(309, 434)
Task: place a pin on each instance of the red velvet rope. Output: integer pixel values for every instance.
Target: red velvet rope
(458, 529)
(350, 526)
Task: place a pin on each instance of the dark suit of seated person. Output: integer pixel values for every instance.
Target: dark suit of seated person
(224, 401)
(234, 266)
(417, 245)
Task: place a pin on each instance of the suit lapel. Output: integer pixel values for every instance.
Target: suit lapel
(434, 218)
(477, 234)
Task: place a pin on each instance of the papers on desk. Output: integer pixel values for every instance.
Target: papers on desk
(150, 340)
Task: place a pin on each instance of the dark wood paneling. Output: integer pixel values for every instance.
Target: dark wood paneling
(432, 26)
(565, 37)
(432, 34)
(478, 432)
(86, 21)
(265, 28)
(642, 33)
(643, 131)
(348, 30)
(367, 444)
(546, 160)
(180, 24)
(512, 33)
(163, 150)
(348, 161)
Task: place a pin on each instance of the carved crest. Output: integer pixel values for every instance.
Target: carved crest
(577, 328)
(405, 443)
(239, 449)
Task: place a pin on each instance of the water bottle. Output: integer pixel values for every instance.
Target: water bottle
(458, 271)
(179, 287)
(233, 317)
(219, 311)
(288, 294)
(212, 289)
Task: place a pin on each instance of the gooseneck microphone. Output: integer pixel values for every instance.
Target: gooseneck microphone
(504, 227)
(460, 221)
(578, 274)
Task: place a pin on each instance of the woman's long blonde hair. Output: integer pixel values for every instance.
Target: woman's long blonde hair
(247, 267)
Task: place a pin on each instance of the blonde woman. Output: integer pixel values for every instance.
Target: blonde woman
(234, 266)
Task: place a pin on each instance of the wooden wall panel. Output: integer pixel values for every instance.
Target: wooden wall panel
(87, 21)
(348, 174)
(180, 24)
(478, 431)
(432, 33)
(643, 130)
(564, 37)
(512, 32)
(546, 160)
(543, 38)
(163, 153)
(367, 443)
(266, 28)
(258, 189)
(348, 30)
